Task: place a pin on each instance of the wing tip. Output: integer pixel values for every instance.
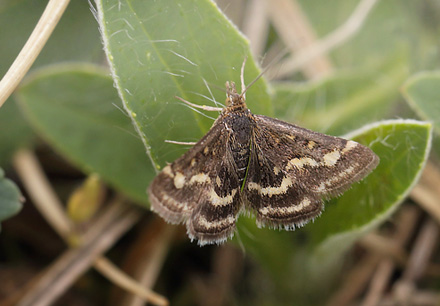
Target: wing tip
(209, 238)
(289, 223)
(168, 215)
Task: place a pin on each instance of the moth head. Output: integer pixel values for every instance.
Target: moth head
(232, 97)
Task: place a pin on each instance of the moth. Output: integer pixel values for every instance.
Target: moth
(277, 171)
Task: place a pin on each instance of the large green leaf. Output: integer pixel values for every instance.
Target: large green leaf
(10, 198)
(76, 109)
(403, 147)
(76, 37)
(160, 49)
(343, 101)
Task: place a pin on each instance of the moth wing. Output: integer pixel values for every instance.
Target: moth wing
(201, 188)
(292, 169)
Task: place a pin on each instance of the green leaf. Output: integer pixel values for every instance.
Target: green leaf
(18, 134)
(153, 62)
(345, 100)
(74, 108)
(422, 92)
(10, 198)
(19, 17)
(403, 147)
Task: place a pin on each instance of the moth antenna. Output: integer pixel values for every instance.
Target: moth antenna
(217, 87)
(243, 86)
(210, 92)
(208, 98)
(270, 65)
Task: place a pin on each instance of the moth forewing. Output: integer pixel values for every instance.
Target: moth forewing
(292, 169)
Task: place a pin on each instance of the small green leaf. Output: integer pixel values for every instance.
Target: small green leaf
(403, 147)
(86, 200)
(422, 92)
(18, 134)
(345, 100)
(75, 108)
(153, 62)
(10, 198)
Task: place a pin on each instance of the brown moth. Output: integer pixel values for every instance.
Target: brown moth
(278, 171)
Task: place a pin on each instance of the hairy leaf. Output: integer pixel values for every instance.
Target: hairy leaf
(75, 108)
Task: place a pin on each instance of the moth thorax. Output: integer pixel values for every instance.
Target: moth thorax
(232, 97)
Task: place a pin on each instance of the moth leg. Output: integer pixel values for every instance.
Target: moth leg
(204, 107)
(189, 143)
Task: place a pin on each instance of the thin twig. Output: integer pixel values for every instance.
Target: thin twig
(425, 298)
(109, 270)
(361, 274)
(427, 199)
(23, 62)
(147, 270)
(355, 281)
(422, 250)
(323, 46)
(114, 208)
(378, 282)
(387, 247)
(215, 290)
(73, 263)
(44, 198)
(406, 222)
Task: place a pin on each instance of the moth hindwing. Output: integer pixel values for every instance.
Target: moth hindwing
(278, 171)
